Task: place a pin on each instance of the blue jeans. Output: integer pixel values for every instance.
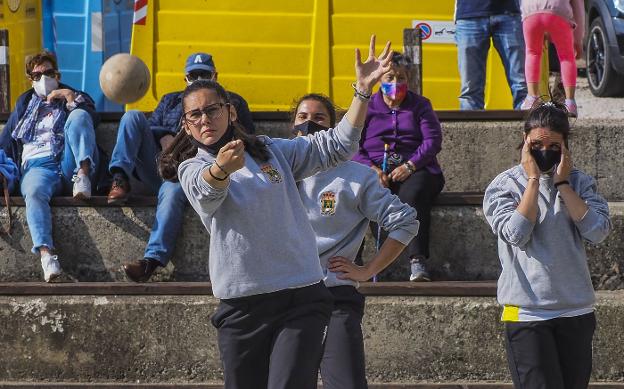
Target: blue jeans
(473, 43)
(135, 153)
(45, 177)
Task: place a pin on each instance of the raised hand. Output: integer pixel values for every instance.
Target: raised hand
(369, 72)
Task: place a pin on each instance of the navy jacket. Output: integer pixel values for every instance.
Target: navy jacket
(165, 119)
(466, 9)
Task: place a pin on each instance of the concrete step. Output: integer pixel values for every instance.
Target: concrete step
(125, 339)
(458, 385)
(94, 241)
(475, 151)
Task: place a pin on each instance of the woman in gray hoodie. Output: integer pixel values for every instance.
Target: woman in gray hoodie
(340, 203)
(264, 266)
(542, 211)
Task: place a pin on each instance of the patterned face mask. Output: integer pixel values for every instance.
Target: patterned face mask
(394, 90)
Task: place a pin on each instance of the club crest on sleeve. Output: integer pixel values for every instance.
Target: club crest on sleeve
(272, 173)
(328, 203)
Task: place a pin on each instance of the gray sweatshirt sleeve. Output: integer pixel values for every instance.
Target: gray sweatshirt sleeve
(320, 151)
(380, 205)
(203, 198)
(499, 207)
(596, 224)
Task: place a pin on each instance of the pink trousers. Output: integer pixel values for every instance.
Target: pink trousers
(560, 31)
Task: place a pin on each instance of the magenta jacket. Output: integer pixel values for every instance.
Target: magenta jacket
(414, 124)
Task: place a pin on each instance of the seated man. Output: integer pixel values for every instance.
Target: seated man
(139, 141)
(50, 136)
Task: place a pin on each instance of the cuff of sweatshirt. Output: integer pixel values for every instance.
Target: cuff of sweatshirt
(403, 236)
(590, 221)
(205, 188)
(351, 133)
(519, 227)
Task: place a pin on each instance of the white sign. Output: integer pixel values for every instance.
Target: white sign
(3, 55)
(436, 31)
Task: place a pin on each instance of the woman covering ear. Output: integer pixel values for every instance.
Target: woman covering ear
(541, 211)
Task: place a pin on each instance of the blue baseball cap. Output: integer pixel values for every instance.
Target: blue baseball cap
(199, 61)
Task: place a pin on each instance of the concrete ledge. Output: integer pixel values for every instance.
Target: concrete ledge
(94, 242)
(457, 385)
(161, 339)
(474, 152)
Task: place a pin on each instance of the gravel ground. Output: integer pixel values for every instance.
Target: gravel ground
(592, 107)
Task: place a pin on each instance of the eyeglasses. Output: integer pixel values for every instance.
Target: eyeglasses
(195, 75)
(36, 76)
(212, 112)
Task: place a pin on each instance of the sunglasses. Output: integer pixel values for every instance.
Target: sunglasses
(199, 74)
(36, 76)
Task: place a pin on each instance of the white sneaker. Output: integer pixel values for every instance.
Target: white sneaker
(51, 267)
(82, 187)
(419, 271)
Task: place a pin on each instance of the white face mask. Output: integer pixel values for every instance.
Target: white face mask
(45, 85)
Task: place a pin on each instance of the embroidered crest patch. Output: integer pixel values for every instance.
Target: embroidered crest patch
(272, 173)
(328, 203)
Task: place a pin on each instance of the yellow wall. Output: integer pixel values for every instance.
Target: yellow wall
(273, 51)
(24, 25)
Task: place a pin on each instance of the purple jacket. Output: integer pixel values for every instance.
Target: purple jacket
(414, 124)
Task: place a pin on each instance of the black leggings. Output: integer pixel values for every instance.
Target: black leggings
(419, 190)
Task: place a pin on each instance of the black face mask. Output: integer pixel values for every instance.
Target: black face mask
(546, 159)
(308, 127)
(215, 147)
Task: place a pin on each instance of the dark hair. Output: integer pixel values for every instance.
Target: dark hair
(550, 114)
(326, 101)
(182, 149)
(38, 59)
(401, 60)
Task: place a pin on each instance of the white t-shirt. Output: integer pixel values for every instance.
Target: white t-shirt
(41, 145)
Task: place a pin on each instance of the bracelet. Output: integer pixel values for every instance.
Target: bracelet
(215, 177)
(221, 168)
(532, 178)
(360, 95)
(410, 168)
(564, 182)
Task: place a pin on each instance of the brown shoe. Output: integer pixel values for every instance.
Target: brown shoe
(141, 270)
(120, 190)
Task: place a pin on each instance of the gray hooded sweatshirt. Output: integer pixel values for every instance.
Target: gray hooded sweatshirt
(260, 238)
(340, 203)
(544, 265)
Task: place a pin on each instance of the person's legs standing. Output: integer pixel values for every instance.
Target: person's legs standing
(508, 41)
(342, 366)
(573, 336)
(473, 42)
(532, 355)
(298, 342)
(562, 37)
(534, 30)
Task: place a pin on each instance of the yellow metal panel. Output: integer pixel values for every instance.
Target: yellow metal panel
(273, 51)
(24, 26)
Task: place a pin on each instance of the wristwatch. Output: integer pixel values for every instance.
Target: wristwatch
(410, 167)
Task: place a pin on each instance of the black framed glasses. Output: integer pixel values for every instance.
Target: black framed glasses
(195, 75)
(36, 76)
(212, 112)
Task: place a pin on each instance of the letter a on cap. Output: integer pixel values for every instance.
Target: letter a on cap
(198, 59)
